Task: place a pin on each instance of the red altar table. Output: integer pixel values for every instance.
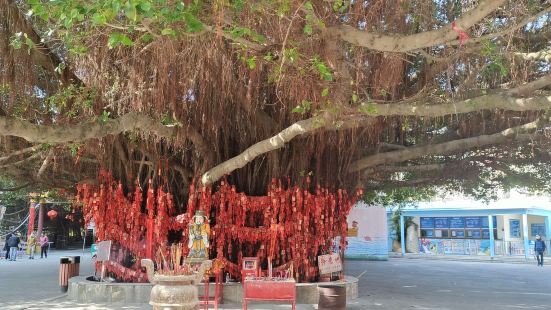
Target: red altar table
(270, 289)
(206, 300)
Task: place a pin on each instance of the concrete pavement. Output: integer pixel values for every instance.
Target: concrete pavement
(390, 285)
(36, 279)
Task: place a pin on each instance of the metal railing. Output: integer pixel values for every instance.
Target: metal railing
(475, 247)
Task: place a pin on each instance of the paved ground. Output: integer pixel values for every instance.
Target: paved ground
(34, 280)
(396, 284)
(429, 284)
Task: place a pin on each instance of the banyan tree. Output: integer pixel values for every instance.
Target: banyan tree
(372, 94)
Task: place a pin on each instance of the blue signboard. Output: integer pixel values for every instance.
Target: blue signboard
(485, 234)
(538, 229)
(475, 233)
(514, 226)
(457, 222)
(472, 222)
(458, 233)
(441, 222)
(429, 233)
(427, 222)
(484, 221)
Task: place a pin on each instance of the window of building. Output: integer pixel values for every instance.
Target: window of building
(456, 233)
(427, 233)
(514, 228)
(538, 229)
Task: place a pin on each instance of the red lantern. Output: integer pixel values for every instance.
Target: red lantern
(52, 214)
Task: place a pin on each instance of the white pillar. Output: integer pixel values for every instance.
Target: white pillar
(402, 235)
(492, 241)
(525, 236)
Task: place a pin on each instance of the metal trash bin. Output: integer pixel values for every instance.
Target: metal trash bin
(332, 297)
(69, 266)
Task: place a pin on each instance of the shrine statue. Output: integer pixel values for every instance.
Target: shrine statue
(199, 231)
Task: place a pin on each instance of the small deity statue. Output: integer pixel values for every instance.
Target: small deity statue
(199, 231)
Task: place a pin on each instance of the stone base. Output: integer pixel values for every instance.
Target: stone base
(84, 291)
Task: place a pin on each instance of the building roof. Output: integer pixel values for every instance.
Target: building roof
(536, 205)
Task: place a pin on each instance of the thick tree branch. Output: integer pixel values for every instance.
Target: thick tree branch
(278, 141)
(541, 55)
(488, 102)
(400, 43)
(444, 148)
(83, 131)
(19, 152)
(414, 168)
(45, 164)
(13, 189)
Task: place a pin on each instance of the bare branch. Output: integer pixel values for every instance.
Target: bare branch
(444, 148)
(400, 43)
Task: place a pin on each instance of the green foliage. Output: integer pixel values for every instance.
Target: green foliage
(18, 40)
(283, 8)
(71, 101)
(400, 197)
(168, 121)
(104, 117)
(291, 54)
(117, 38)
(73, 148)
(247, 33)
(303, 107)
(322, 69)
(495, 63)
(369, 109)
(126, 16)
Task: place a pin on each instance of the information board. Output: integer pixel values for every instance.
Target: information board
(427, 222)
(472, 222)
(329, 263)
(104, 251)
(484, 222)
(475, 233)
(457, 222)
(458, 233)
(538, 229)
(514, 226)
(441, 222)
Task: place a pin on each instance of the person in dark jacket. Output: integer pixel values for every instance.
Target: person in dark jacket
(6, 247)
(539, 248)
(13, 243)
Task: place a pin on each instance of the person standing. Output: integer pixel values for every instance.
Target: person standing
(13, 243)
(6, 247)
(43, 241)
(31, 243)
(539, 248)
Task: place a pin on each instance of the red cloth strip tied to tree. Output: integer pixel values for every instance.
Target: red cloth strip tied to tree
(291, 225)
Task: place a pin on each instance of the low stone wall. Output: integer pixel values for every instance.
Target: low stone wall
(84, 291)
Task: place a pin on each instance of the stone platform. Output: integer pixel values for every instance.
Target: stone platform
(84, 291)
